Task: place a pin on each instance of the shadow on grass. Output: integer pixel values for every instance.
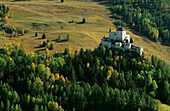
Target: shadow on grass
(56, 40)
(41, 50)
(138, 33)
(38, 39)
(80, 23)
(40, 46)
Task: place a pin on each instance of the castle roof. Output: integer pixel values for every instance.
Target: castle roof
(120, 29)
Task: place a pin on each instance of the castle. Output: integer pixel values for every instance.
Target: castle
(121, 40)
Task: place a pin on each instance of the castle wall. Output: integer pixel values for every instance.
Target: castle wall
(112, 35)
(120, 35)
(106, 43)
(127, 46)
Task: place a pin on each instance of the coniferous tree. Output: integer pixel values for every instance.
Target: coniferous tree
(36, 34)
(110, 53)
(43, 36)
(51, 46)
(36, 108)
(44, 44)
(73, 75)
(84, 20)
(2, 106)
(59, 38)
(68, 37)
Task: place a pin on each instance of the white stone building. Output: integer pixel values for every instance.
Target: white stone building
(120, 40)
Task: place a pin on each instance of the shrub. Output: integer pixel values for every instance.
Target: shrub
(51, 46)
(123, 24)
(25, 31)
(59, 38)
(117, 23)
(43, 36)
(68, 37)
(116, 16)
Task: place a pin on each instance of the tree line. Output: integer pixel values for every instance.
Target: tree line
(149, 17)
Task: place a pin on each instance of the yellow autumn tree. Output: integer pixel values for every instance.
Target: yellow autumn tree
(23, 32)
(117, 58)
(62, 77)
(47, 53)
(33, 65)
(38, 80)
(88, 65)
(57, 76)
(102, 67)
(69, 50)
(10, 59)
(4, 33)
(6, 18)
(53, 106)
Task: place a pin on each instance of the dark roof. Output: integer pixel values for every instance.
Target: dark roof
(120, 29)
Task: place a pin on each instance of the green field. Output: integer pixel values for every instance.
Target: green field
(48, 17)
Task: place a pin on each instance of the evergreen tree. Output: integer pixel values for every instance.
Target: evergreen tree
(84, 20)
(7, 105)
(51, 46)
(59, 38)
(73, 75)
(36, 108)
(2, 106)
(68, 37)
(43, 36)
(44, 44)
(36, 34)
(110, 53)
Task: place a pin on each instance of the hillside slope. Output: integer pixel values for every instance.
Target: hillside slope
(48, 17)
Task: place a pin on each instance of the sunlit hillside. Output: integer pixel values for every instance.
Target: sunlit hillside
(50, 16)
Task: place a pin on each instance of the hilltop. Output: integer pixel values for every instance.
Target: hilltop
(49, 16)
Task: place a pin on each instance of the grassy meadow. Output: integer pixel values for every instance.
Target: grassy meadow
(49, 16)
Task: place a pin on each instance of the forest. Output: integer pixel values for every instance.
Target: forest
(86, 80)
(149, 17)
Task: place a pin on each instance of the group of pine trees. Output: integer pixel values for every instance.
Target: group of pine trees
(86, 80)
(48, 45)
(4, 13)
(12, 30)
(149, 17)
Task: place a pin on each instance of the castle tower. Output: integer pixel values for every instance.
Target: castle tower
(121, 34)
